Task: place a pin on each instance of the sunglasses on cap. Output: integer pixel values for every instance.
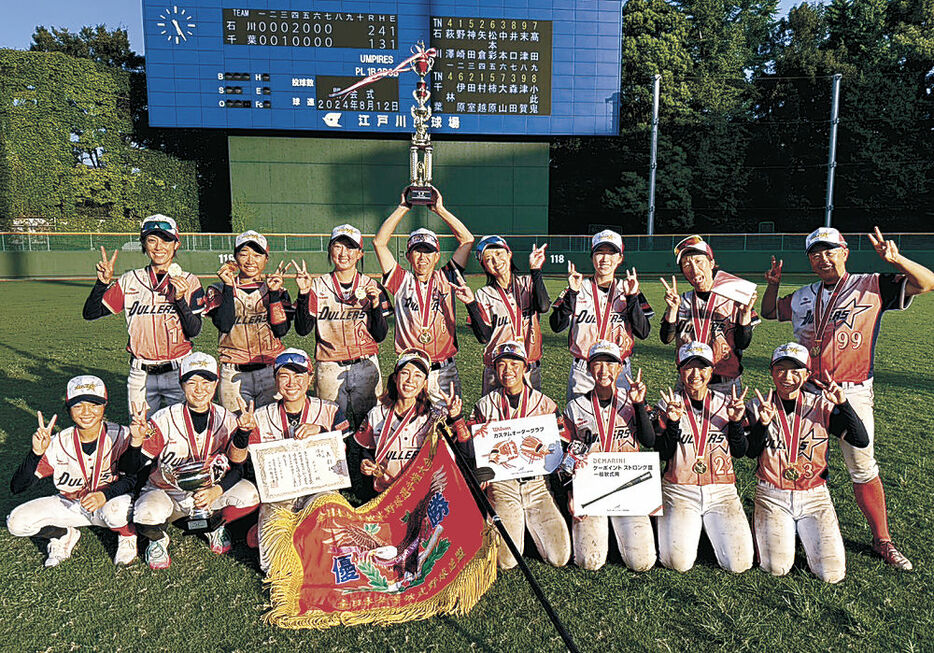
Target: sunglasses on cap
(159, 225)
(291, 358)
(691, 242)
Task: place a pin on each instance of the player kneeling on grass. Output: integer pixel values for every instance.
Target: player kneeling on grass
(611, 420)
(527, 501)
(393, 431)
(196, 430)
(701, 433)
(297, 416)
(251, 313)
(790, 438)
(82, 461)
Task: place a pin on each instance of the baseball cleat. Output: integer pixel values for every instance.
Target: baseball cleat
(891, 555)
(157, 554)
(219, 541)
(61, 547)
(126, 550)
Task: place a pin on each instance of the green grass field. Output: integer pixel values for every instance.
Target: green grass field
(206, 602)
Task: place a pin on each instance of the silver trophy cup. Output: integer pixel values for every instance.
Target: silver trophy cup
(194, 475)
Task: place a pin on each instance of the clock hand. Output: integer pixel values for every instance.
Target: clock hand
(179, 29)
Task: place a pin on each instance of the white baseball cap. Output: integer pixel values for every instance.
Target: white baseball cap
(792, 351)
(85, 388)
(349, 232)
(198, 363)
(422, 237)
(510, 349)
(160, 225)
(692, 244)
(251, 238)
(606, 237)
(605, 348)
(416, 357)
(692, 350)
(826, 236)
(294, 359)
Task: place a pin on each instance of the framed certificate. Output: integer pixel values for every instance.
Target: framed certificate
(518, 448)
(618, 484)
(291, 468)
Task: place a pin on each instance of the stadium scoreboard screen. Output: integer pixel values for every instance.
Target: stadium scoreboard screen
(502, 66)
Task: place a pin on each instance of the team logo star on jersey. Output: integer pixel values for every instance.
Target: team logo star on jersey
(809, 444)
(847, 313)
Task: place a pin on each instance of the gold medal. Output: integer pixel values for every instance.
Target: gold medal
(425, 337)
(700, 467)
(791, 474)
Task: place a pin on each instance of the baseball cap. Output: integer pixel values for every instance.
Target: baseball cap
(160, 225)
(692, 244)
(791, 351)
(422, 237)
(510, 349)
(416, 357)
(607, 237)
(294, 359)
(491, 241)
(254, 238)
(692, 350)
(349, 232)
(605, 348)
(825, 236)
(85, 388)
(198, 363)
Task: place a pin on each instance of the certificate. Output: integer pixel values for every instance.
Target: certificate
(618, 484)
(731, 287)
(289, 468)
(518, 448)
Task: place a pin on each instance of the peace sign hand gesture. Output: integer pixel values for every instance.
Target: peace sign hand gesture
(462, 291)
(766, 408)
(105, 267)
(575, 278)
(672, 298)
(637, 388)
(674, 405)
(774, 273)
(246, 421)
(138, 425)
(887, 249)
(631, 282)
(302, 278)
(274, 280)
(453, 402)
(537, 257)
(42, 438)
(831, 391)
(737, 407)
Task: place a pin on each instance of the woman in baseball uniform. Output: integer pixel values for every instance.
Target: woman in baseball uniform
(82, 462)
(394, 430)
(509, 306)
(790, 438)
(611, 420)
(196, 430)
(525, 502)
(701, 431)
(252, 314)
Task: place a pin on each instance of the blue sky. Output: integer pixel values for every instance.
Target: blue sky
(20, 18)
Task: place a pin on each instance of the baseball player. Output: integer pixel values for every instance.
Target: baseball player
(163, 308)
(295, 415)
(196, 430)
(525, 502)
(82, 462)
(837, 319)
(790, 437)
(252, 314)
(394, 430)
(424, 297)
(701, 431)
(606, 419)
(703, 316)
(600, 308)
(347, 311)
(508, 306)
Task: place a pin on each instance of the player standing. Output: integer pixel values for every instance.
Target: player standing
(347, 311)
(163, 308)
(837, 319)
(703, 316)
(424, 297)
(600, 308)
(82, 461)
(701, 433)
(251, 315)
(790, 437)
(606, 419)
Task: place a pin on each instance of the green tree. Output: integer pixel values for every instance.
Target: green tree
(100, 44)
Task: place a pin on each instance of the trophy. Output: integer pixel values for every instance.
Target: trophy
(191, 476)
(420, 190)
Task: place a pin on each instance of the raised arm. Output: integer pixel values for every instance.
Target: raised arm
(920, 278)
(770, 298)
(387, 262)
(461, 232)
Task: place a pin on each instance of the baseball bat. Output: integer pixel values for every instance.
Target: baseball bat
(641, 478)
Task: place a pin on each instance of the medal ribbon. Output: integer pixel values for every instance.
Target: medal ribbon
(285, 417)
(208, 434)
(702, 329)
(520, 409)
(792, 436)
(602, 315)
(700, 439)
(387, 442)
(92, 480)
(424, 305)
(339, 290)
(515, 317)
(156, 285)
(605, 429)
(820, 321)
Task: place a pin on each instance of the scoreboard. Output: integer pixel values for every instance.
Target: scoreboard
(502, 66)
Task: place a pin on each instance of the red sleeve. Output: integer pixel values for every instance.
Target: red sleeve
(254, 436)
(113, 298)
(154, 443)
(365, 436)
(312, 302)
(44, 469)
(570, 430)
(394, 279)
(784, 308)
